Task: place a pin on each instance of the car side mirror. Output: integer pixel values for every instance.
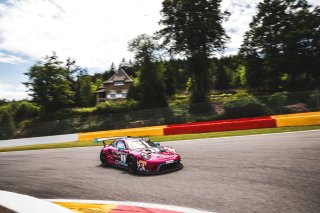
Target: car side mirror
(120, 148)
(157, 144)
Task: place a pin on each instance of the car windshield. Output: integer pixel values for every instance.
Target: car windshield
(137, 144)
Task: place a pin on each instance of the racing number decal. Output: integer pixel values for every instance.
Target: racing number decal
(123, 157)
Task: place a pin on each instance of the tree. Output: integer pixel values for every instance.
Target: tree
(223, 77)
(283, 38)
(151, 89)
(107, 74)
(128, 67)
(49, 85)
(170, 79)
(194, 28)
(74, 75)
(87, 92)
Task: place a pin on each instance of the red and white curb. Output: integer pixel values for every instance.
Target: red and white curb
(14, 202)
(144, 207)
(26, 204)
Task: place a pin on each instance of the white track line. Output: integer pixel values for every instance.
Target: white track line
(137, 204)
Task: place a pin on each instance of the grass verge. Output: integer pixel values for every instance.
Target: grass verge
(167, 138)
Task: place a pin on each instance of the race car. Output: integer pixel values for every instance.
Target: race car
(139, 155)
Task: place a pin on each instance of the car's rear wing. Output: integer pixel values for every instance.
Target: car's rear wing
(103, 140)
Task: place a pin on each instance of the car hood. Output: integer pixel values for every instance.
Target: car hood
(157, 152)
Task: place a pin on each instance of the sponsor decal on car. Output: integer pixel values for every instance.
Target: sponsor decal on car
(123, 157)
(141, 165)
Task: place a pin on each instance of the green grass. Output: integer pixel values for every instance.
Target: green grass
(167, 138)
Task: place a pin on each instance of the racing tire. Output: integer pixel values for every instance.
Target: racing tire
(132, 165)
(103, 159)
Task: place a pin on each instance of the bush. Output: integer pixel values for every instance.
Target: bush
(277, 101)
(117, 106)
(244, 105)
(200, 108)
(179, 112)
(7, 126)
(26, 110)
(314, 100)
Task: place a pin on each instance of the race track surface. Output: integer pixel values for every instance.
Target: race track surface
(262, 173)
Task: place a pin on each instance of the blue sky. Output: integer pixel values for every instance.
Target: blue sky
(95, 33)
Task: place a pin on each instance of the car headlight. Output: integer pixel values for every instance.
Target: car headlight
(145, 156)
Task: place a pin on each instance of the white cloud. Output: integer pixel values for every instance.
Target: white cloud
(242, 12)
(95, 32)
(10, 59)
(11, 91)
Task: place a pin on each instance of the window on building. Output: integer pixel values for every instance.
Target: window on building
(112, 94)
(124, 93)
(118, 83)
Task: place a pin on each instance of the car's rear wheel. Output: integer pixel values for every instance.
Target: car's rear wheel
(132, 164)
(103, 158)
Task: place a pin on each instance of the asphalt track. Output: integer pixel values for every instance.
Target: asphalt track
(261, 173)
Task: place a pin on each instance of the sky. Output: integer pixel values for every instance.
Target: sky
(95, 33)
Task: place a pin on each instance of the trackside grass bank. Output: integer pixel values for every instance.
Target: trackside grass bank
(167, 138)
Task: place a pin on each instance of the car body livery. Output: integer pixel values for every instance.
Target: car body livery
(139, 155)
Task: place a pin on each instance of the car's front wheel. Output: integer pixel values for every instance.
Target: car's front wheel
(103, 158)
(132, 164)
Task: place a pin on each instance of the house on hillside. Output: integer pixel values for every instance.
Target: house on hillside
(115, 88)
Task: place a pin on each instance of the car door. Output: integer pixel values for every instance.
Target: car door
(120, 153)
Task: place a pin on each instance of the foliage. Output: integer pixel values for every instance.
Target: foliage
(87, 92)
(3, 102)
(49, 85)
(143, 46)
(128, 67)
(74, 75)
(223, 76)
(239, 77)
(26, 110)
(7, 126)
(189, 85)
(314, 99)
(176, 76)
(196, 36)
(150, 92)
(117, 106)
(277, 101)
(179, 110)
(242, 105)
(84, 110)
(108, 73)
(284, 36)
(200, 108)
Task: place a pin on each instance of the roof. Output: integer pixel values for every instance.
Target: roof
(121, 75)
(101, 90)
